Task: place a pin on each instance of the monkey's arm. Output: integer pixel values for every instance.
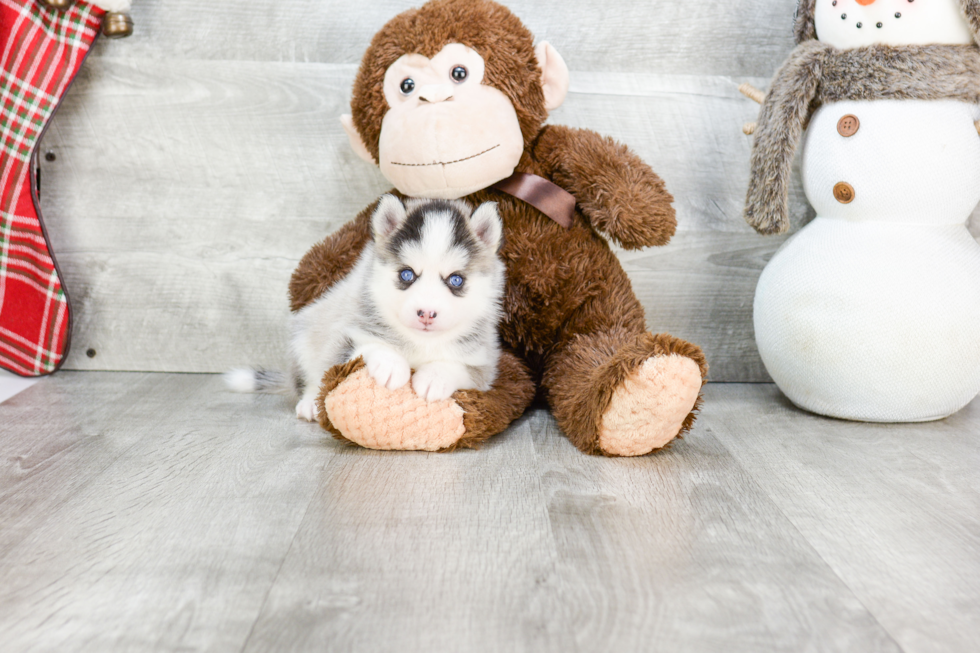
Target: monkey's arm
(618, 193)
(329, 260)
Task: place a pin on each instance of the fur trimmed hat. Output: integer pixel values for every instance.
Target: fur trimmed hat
(816, 73)
(807, 31)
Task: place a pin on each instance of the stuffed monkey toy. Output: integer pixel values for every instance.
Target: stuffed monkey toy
(450, 102)
(42, 47)
(872, 311)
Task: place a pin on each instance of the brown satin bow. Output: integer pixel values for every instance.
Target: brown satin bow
(547, 197)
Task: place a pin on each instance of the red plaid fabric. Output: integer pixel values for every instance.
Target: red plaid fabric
(42, 49)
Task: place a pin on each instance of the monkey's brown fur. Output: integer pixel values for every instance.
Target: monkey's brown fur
(816, 73)
(572, 324)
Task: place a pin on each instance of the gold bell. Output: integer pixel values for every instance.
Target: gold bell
(60, 5)
(117, 25)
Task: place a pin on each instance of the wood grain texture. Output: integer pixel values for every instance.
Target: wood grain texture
(161, 512)
(145, 512)
(54, 444)
(894, 509)
(681, 551)
(422, 552)
(533, 546)
(721, 37)
(178, 236)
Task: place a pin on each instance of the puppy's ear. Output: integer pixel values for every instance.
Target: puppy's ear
(487, 226)
(387, 217)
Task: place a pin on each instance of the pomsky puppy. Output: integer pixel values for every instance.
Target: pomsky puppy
(424, 295)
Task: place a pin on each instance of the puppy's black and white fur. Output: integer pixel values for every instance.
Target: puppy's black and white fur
(424, 295)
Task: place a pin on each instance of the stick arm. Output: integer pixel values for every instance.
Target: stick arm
(758, 97)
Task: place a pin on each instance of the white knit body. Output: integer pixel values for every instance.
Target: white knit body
(872, 311)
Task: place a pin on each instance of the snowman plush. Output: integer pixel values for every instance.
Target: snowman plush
(872, 311)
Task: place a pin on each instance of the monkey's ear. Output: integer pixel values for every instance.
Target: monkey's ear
(554, 75)
(387, 217)
(356, 142)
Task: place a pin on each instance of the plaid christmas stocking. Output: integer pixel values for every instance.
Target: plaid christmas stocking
(41, 49)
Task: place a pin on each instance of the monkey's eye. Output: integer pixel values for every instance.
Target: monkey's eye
(407, 86)
(407, 275)
(455, 280)
(459, 74)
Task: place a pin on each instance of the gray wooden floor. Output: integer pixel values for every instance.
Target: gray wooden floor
(159, 512)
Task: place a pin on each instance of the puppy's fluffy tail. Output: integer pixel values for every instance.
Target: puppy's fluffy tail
(266, 381)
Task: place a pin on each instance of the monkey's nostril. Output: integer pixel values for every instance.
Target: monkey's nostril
(435, 93)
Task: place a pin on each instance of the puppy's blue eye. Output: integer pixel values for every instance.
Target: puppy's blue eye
(406, 275)
(455, 281)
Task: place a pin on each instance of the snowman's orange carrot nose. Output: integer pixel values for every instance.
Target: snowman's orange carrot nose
(865, 3)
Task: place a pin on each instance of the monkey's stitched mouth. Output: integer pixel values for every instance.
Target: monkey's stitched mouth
(446, 163)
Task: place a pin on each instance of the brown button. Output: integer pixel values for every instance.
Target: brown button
(848, 126)
(844, 193)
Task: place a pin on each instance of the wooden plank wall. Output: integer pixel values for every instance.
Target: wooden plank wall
(198, 160)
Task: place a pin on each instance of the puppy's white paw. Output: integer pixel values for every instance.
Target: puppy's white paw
(306, 409)
(388, 369)
(429, 384)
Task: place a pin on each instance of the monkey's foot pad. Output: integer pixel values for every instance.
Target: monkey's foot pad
(377, 418)
(649, 408)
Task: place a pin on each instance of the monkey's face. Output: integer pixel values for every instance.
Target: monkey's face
(446, 134)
